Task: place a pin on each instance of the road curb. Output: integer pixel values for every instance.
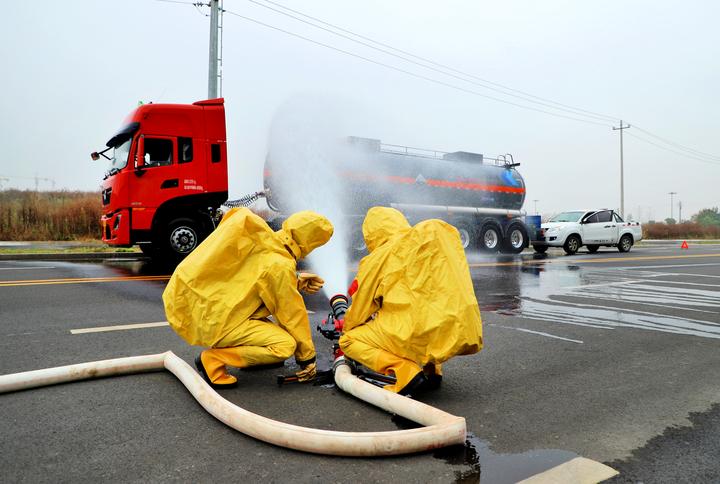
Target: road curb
(79, 256)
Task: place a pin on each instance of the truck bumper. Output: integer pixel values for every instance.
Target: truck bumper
(116, 228)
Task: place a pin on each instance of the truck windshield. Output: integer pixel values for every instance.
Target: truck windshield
(120, 156)
(567, 217)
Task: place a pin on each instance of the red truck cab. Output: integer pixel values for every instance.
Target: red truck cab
(167, 176)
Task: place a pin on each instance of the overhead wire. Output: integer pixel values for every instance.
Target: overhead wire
(441, 68)
(677, 145)
(704, 160)
(595, 118)
(410, 73)
(505, 90)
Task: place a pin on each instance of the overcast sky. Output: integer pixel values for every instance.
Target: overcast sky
(71, 71)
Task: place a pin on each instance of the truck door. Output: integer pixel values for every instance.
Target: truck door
(158, 176)
(600, 228)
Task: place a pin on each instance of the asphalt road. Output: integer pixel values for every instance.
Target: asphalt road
(609, 356)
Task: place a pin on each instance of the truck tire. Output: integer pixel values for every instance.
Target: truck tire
(572, 244)
(180, 237)
(625, 243)
(516, 238)
(592, 248)
(468, 233)
(540, 249)
(490, 237)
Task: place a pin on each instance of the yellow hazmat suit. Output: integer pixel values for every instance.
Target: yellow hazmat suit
(223, 293)
(416, 283)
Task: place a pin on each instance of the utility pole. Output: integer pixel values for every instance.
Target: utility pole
(672, 194)
(214, 54)
(622, 174)
(679, 211)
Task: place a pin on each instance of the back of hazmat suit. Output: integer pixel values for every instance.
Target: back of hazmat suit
(224, 292)
(415, 305)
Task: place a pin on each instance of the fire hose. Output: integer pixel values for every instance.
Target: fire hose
(440, 428)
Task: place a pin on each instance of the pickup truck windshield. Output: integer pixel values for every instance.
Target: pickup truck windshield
(567, 217)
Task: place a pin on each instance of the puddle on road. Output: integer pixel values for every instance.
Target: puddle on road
(484, 465)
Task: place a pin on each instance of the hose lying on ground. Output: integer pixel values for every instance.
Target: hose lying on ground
(441, 429)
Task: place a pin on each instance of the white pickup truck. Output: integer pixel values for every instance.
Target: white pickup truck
(591, 228)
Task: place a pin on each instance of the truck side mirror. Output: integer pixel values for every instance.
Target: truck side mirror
(140, 156)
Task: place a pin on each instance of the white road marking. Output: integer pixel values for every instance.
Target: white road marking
(25, 268)
(539, 332)
(587, 286)
(120, 327)
(123, 327)
(579, 469)
(668, 266)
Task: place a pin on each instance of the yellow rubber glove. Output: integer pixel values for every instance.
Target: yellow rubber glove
(309, 283)
(308, 373)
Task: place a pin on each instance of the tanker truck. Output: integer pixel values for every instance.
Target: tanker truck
(167, 180)
(482, 197)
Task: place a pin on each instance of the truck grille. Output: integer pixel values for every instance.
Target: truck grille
(106, 196)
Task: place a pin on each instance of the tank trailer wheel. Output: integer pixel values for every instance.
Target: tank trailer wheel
(515, 239)
(490, 238)
(468, 238)
(572, 244)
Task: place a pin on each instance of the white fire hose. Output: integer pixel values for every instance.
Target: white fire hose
(441, 429)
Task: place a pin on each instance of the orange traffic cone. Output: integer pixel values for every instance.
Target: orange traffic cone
(684, 245)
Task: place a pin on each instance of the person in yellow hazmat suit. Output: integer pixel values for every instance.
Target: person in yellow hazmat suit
(414, 306)
(223, 294)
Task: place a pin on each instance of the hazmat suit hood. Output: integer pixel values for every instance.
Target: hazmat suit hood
(305, 231)
(382, 224)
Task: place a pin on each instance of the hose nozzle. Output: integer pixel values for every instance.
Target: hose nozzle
(339, 306)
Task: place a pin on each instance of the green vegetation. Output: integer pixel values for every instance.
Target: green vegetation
(57, 215)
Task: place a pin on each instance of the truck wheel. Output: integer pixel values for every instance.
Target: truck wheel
(490, 238)
(515, 239)
(540, 249)
(467, 234)
(182, 236)
(593, 248)
(626, 242)
(572, 244)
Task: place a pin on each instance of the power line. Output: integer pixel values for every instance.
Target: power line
(443, 69)
(413, 74)
(671, 150)
(678, 145)
(429, 61)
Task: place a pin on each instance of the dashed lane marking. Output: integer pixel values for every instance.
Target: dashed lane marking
(547, 335)
(120, 327)
(124, 327)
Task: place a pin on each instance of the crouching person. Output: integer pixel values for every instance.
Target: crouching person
(223, 294)
(413, 305)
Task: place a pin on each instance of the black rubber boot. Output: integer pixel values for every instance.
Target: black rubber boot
(417, 386)
(203, 374)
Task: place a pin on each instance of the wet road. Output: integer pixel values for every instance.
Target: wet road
(598, 355)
